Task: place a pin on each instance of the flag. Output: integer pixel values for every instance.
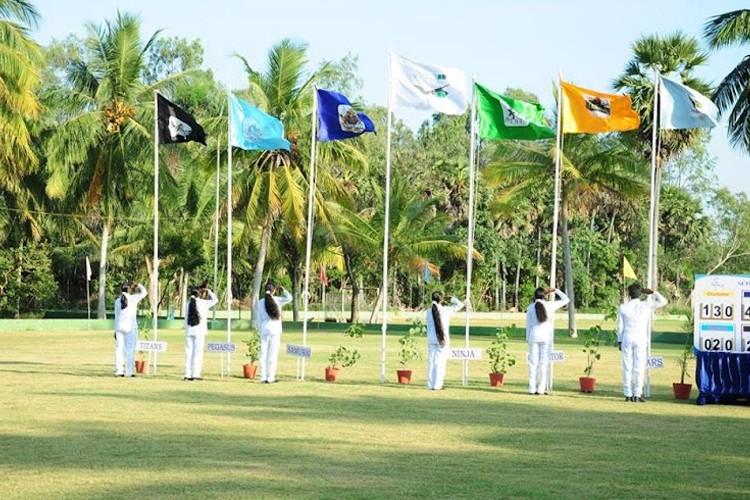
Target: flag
(681, 107)
(427, 86)
(501, 117)
(88, 269)
(253, 129)
(590, 112)
(426, 273)
(337, 119)
(627, 269)
(175, 124)
(323, 275)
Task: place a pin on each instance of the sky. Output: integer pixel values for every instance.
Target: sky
(501, 44)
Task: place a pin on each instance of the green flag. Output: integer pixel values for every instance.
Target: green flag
(501, 117)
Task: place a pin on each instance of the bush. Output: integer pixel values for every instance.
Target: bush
(26, 280)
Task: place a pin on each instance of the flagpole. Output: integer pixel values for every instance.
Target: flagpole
(310, 217)
(216, 219)
(653, 223)
(470, 242)
(155, 290)
(229, 231)
(387, 217)
(88, 292)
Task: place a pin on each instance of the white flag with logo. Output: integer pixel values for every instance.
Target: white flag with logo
(88, 269)
(682, 107)
(427, 86)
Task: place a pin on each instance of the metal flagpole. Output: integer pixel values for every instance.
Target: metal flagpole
(310, 217)
(387, 217)
(88, 291)
(555, 217)
(653, 223)
(155, 290)
(470, 239)
(216, 218)
(229, 232)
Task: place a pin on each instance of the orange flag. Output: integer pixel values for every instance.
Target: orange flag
(590, 112)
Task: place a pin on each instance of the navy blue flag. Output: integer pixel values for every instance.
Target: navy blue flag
(337, 119)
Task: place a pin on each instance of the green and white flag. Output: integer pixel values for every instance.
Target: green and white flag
(501, 117)
(427, 86)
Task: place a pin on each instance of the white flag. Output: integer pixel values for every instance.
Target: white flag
(88, 269)
(682, 107)
(427, 86)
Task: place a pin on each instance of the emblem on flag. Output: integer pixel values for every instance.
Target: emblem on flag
(598, 106)
(349, 120)
(511, 118)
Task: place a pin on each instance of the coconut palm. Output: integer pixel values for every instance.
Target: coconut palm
(590, 164)
(733, 93)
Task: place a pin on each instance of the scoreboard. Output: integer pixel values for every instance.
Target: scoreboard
(721, 309)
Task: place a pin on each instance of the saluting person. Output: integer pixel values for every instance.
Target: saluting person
(438, 337)
(126, 328)
(269, 326)
(196, 327)
(540, 331)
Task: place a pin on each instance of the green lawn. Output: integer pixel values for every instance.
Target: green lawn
(69, 429)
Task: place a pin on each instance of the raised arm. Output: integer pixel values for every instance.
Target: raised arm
(285, 298)
(562, 300)
(138, 296)
(659, 300)
(212, 298)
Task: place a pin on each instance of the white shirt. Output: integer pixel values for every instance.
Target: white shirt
(445, 313)
(634, 315)
(203, 306)
(543, 332)
(125, 318)
(266, 325)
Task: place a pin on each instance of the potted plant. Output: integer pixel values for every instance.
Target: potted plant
(252, 354)
(141, 364)
(342, 357)
(500, 359)
(681, 389)
(409, 350)
(594, 338)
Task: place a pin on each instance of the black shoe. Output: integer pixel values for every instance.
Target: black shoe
(264, 381)
(187, 378)
(639, 399)
(536, 394)
(120, 375)
(628, 399)
(133, 375)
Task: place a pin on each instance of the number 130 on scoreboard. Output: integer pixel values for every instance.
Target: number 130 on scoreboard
(721, 309)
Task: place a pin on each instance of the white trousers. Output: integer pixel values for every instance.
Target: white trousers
(633, 366)
(269, 356)
(538, 360)
(125, 352)
(437, 361)
(194, 355)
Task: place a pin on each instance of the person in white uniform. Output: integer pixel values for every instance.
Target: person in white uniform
(196, 327)
(126, 328)
(269, 325)
(633, 319)
(438, 337)
(540, 330)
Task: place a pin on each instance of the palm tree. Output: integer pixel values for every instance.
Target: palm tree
(99, 155)
(590, 164)
(733, 93)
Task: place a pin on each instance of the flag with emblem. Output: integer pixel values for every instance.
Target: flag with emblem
(427, 86)
(252, 129)
(681, 107)
(337, 118)
(175, 124)
(587, 111)
(501, 117)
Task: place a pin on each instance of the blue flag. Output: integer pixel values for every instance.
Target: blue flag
(682, 107)
(252, 129)
(337, 119)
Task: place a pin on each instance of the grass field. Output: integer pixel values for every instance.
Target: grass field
(69, 429)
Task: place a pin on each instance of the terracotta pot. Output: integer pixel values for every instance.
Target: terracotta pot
(141, 366)
(682, 391)
(496, 379)
(404, 376)
(249, 370)
(587, 384)
(331, 374)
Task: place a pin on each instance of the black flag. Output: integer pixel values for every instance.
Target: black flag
(176, 125)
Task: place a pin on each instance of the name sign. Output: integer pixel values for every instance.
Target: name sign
(298, 351)
(470, 354)
(557, 357)
(221, 347)
(655, 362)
(151, 346)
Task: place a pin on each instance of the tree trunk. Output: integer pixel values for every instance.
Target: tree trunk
(101, 310)
(568, 263)
(296, 287)
(394, 290)
(504, 292)
(518, 278)
(260, 264)
(538, 256)
(497, 285)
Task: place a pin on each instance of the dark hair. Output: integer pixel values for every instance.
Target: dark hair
(272, 308)
(635, 290)
(541, 311)
(123, 297)
(439, 330)
(193, 317)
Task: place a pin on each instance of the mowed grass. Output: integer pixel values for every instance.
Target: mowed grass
(70, 429)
